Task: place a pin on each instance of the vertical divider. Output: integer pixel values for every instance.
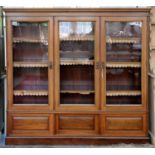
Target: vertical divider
(9, 64)
(103, 60)
(56, 64)
(51, 124)
(51, 60)
(97, 59)
(144, 63)
(103, 79)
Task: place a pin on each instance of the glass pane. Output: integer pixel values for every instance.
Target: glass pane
(123, 41)
(30, 41)
(30, 99)
(76, 62)
(30, 61)
(35, 52)
(123, 100)
(77, 99)
(123, 62)
(123, 79)
(30, 78)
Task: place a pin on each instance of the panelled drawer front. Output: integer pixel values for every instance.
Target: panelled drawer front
(125, 125)
(30, 124)
(76, 124)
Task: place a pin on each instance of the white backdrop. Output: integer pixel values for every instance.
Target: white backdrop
(76, 3)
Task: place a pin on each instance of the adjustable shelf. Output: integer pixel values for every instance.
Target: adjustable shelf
(112, 40)
(123, 93)
(29, 40)
(30, 64)
(83, 92)
(123, 64)
(30, 93)
(78, 38)
(77, 62)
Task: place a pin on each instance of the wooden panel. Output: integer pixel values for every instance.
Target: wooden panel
(75, 140)
(76, 124)
(125, 123)
(71, 10)
(30, 123)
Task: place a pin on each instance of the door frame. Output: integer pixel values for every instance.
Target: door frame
(85, 107)
(144, 64)
(9, 36)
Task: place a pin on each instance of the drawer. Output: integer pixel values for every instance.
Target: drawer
(29, 124)
(77, 124)
(124, 124)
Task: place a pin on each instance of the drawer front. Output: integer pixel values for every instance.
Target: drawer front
(125, 125)
(76, 124)
(29, 124)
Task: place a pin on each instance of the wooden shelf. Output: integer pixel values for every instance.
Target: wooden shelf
(83, 92)
(30, 93)
(30, 64)
(78, 38)
(29, 40)
(77, 62)
(123, 64)
(112, 40)
(123, 93)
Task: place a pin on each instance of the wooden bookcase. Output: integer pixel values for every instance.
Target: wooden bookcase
(77, 75)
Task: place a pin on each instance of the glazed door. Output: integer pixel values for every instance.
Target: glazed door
(76, 55)
(123, 53)
(30, 57)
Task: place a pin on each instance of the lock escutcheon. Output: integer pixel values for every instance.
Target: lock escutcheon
(50, 65)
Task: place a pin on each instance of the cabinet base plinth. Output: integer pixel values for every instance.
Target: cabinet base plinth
(75, 140)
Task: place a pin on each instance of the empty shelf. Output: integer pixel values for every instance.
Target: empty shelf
(123, 93)
(27, 40)
(77, 62)
(30, 93)
(84, 92)
(77, 38)
(30, 64)
(112, 40)
(123, 64)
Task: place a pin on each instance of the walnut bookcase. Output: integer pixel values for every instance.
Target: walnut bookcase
(77, 75)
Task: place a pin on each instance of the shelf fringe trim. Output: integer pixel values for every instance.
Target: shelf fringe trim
(30, 93)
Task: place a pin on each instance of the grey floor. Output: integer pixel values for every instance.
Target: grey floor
(2, 145)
